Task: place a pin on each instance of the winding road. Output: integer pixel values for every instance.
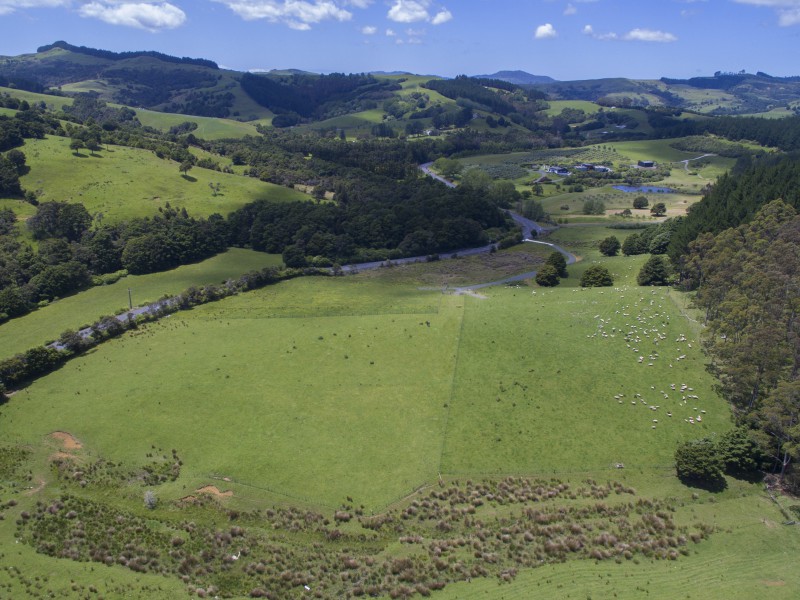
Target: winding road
(530, 229)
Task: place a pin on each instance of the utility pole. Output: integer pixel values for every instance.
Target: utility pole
(130, 300)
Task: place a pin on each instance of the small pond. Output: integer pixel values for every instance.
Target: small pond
(644, 189)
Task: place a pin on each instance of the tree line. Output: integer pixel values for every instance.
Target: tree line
(115, 56)
(27, 366)
(737, 196)
(70, 255)
(748, 284)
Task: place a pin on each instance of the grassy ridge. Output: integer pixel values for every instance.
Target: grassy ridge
(207, 127)
(123, 182)
(47, 323)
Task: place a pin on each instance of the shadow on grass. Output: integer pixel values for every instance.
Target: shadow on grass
(189, 178)
(709, 485)
(749, 477)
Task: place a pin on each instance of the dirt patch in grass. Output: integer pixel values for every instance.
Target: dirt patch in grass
(60, 456)
(67, 440)
(214, 491)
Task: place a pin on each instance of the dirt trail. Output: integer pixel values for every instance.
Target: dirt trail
(214, 491)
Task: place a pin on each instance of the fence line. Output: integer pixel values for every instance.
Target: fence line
(790, 520)
(231, 315)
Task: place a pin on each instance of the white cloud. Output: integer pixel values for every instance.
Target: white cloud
(570, 10)
(369, 30)
(443, 16)
(415, 11)
(787, 18)
(141, 15)
(788, 10)
(649, 35)
(358, 3)
(545, 31)
(390, 33)
(771, 3)
(409, 11)
(635, 35)
(297, 14)
(9, 6)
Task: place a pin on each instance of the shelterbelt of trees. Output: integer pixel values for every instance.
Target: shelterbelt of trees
(748, 283)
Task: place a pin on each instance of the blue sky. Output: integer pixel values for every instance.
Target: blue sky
(565, 39)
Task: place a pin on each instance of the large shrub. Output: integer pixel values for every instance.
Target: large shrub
(557, 260)
(699, 462)
(548, 276)
(654, 272)
(610, 246)
(596, 276)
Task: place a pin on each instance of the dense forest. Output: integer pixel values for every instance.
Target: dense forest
(748, 284)
(109, 55)
(737, 196)
(306, 95)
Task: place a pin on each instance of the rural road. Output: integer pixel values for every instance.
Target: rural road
(686, 162)
(426, 168)
(530, 229)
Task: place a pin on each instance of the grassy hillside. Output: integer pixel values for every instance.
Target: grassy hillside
(207, 127)
(122, 182)
(315, 390)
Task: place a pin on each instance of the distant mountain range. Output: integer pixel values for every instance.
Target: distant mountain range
(518, 77)
(197, 86)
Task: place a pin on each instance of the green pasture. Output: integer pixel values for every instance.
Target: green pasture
(780, 112)
(659, 150)
(556, 106)
(696, 175)
(89, 85)
(352, 124)
(122, 182)
(22, 209)
(370, 386)
(539, 375)
(315, 389)
(72, 312)
(615, 201)
(294, 374)
(307, 363)
(52, 102)
(208, 128)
